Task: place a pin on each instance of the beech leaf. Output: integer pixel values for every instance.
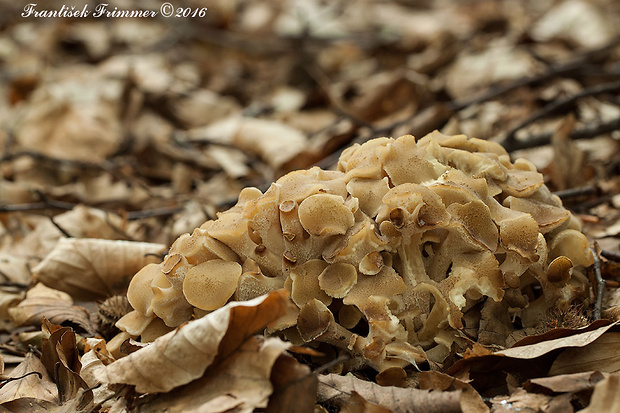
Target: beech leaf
(184, 354)
(336, 390)
(90, 268)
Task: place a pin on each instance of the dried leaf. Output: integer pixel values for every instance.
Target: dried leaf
(59, 355)
(357, 404)
(273, 141)
(521, 400)
(34, 386)
(336, 390)
(238, 383)
(566, 383)
(536, 350)
(185, 353)
(471, 401)
(606, 396)
(46, 303)
(90, 269)
(294, 387)
(602, 355)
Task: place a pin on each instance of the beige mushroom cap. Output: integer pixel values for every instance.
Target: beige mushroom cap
(325, 214)
(140, 294)
(208, 286)
(338, 279)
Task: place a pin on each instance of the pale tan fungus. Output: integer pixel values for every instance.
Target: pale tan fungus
(411, 245)
(338, 279)
(209, 285)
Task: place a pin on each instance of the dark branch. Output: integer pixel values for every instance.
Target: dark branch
(562, 104)
(545, 138)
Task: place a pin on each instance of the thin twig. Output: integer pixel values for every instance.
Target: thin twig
(599, 283)
(545, 138)
(330, 364)
(10, 379)
(157, 212)
(575, 192)
(574, 65)
(611, 255)
(562, 104)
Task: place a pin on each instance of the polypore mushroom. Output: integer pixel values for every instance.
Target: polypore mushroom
(406, 243)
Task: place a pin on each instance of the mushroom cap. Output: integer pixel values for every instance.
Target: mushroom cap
(139, 292)
(337, 279)
(574, 245)
(208, 286)
(305, 283)
(325, 214)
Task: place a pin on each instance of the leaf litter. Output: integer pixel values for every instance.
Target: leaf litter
(119, 135)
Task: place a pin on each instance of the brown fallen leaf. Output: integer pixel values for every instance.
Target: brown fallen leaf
(521, 400)
(603, 355)
(35, 384)
(89, 269)
(294, 387)
(525, 360)
(532, 351)
(606, 396)
(59, 355)
(185, 353)
(239, 383)
(336, 390)
(566, 383)
(357, 404)
(46, 303)
(471, 402)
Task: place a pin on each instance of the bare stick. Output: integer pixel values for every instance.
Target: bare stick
(545, 138)
(575, 65)
(599, 284)
(575, 192)
(562, 104)
(610, 255)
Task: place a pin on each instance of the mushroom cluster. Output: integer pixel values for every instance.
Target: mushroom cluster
(407, 249)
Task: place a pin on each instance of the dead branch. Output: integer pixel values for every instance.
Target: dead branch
(599, 283)
(150, 213)
(545, 138)
(562, 104)
(575, 65)
(610, 255)
(576, 192)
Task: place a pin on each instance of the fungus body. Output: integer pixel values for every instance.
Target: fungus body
(394, 258)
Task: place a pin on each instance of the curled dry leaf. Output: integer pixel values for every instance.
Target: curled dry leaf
(536, 359)
(185, 354)
(471, 401)
(239, 383)
(91, 269)
(37, 386)
(274, 142)
(59, 355)
(294, 386)
(603, 354)
(46, 303)
(335, 390)
(566, 383)
(606, 397)
(357, 404)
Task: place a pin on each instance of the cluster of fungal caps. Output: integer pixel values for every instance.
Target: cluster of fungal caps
(393, 258)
